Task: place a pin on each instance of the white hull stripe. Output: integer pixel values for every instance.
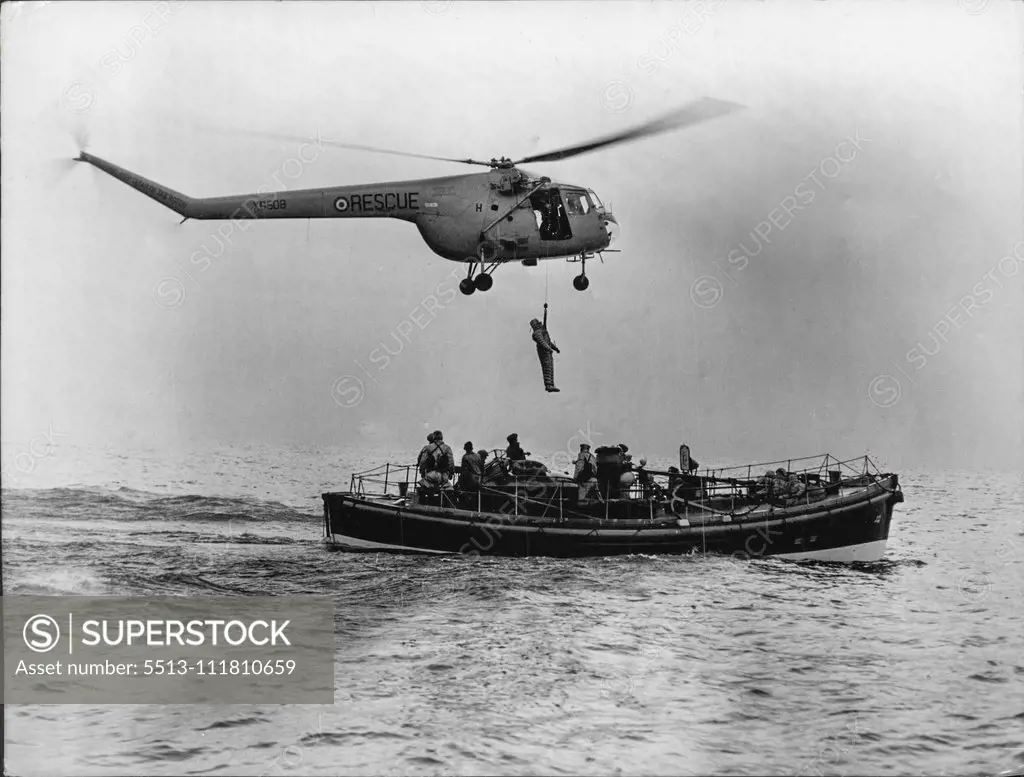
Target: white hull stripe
(354, 542)
(864, 551)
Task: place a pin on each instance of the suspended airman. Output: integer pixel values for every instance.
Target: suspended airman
(546, 349)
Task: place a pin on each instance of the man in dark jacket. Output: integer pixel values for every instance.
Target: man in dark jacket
(515, 451)
(545, 350)
(471, 471)
(648, 488)
(586, 474)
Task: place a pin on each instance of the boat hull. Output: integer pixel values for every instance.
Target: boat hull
(849, 527)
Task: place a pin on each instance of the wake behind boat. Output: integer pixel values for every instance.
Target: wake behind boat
(816, 508)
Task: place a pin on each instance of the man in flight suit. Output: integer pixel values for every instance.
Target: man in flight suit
(545, 348)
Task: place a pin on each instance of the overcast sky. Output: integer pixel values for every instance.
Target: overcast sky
(807, 346)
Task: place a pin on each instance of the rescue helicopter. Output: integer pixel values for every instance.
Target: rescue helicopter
(484, 219)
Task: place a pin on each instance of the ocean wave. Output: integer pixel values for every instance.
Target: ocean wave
(126, 504)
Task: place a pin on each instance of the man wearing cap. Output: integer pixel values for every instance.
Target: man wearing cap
(545, 350)
(472, 469)
(586, 473)
(515, 451)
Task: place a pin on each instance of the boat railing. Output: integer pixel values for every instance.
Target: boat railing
(745, 487)
(818, 464)
(391, 478)
(398, 480)
(709, 491)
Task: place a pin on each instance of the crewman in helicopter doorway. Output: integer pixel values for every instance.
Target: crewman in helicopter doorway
(546, 349)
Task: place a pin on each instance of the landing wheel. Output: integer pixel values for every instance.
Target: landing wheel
(581, 282)
(483, 281)
(466, 286)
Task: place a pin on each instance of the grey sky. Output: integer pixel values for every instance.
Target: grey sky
(799, 353)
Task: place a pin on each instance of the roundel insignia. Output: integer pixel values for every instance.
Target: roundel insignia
(341, 204)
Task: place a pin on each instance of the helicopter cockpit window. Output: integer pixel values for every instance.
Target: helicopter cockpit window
(595, 198)
(576, 203)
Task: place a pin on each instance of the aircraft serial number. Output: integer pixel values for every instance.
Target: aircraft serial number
(270, 204)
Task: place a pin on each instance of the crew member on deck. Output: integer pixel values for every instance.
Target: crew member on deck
(471, 471)
(780, 484)
(483, 454)
(796, 487)
(545, 350)
(422, 459)
(448, 461)
(764, 483)
(437, 462)
(648, 487)
(586, 474)
(515, 451)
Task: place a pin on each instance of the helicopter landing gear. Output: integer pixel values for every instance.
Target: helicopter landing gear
(581, 281)
(483, 280)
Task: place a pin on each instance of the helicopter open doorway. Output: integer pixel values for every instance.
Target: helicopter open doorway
(550, 213)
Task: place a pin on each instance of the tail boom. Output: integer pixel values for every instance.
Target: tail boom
(176, 201)
(395, 200)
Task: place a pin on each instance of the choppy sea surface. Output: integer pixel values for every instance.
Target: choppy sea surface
(445, 665)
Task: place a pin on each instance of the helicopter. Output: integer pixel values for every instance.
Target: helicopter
(484, 219)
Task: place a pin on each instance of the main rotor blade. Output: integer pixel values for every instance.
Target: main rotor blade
(318, 139)
(695, 112)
